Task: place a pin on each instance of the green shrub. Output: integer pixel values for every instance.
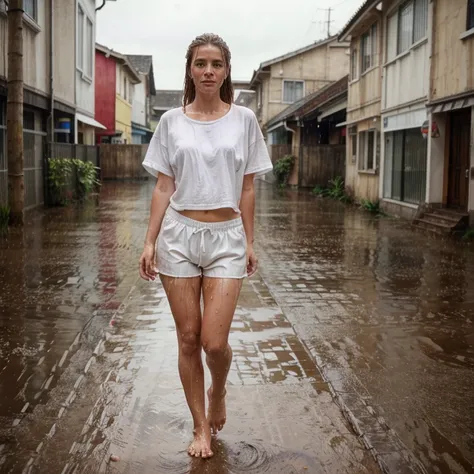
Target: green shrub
(4, 217)
(336, 188)
(282, 169)
(371, 206)
(468, 235)
(70, 180)
(320, 191)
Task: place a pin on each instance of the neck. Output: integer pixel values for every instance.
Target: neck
(207, 104)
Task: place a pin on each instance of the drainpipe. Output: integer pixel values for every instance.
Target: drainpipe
(51, 58)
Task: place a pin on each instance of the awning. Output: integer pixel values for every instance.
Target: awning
(276, 126)
(341, 124)
(455, 104)
(333, 109)
(89, 121)
(137, 129)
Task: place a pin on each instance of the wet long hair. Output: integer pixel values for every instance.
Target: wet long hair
(227, 88)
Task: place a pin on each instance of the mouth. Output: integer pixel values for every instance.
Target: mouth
(208, 83)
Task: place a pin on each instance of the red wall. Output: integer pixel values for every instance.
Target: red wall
(105, 87)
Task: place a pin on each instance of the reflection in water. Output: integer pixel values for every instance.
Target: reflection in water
(388, 312)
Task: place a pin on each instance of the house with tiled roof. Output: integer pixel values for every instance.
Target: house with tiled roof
(286, 79)
(142, 96)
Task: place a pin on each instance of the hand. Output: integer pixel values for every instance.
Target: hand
(148, 263)
(252, 261)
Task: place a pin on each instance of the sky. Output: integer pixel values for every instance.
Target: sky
(255, 30)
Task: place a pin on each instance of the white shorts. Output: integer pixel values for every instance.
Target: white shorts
(189, 248)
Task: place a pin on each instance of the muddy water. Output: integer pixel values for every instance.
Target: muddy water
(388, 314)
(88, 362)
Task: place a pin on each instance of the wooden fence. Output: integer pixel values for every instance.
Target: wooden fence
(316, 164)
(122, 161)
(321, 163)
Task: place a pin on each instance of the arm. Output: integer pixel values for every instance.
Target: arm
(247, 208)
(164, 189)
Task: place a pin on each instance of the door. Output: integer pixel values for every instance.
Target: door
(458, 170)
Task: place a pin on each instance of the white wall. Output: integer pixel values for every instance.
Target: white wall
(85, 90)
(405, 78)
(139, 102)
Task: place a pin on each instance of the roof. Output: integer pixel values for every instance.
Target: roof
(167, 99)
(143, 63)
(121, 58)
(244, 97)
(289, 55)
(312, 101)
(358, 15)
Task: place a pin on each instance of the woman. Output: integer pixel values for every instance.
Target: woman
(205, 155)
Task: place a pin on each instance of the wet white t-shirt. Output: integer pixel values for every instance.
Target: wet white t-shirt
(208, 160)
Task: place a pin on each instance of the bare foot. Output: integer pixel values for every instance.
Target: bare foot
(201, 445)
(216, 413)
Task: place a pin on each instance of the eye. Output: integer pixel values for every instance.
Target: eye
(218, 65)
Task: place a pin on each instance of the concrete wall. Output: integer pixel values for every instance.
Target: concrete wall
(64, 50)
(139, 102)
(317, 67)
(453, 57)
(85, 89)
(35, 49)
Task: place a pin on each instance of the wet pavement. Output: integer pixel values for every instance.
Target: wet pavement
(388, 315)
(88, 356)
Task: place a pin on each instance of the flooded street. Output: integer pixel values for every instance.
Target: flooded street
(353, 347)
(387, 313)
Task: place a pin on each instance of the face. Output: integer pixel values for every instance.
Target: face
(208, 69)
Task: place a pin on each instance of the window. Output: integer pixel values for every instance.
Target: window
(85, 44)
(125, 88)
(369, 150)
(31, 8)
(368, 49)
(259, 95)
(470, 14)
(354, 64)
(80, 39)
(89, 49)
(353, 137)
(412, 24)
(405, 166)
(292, 91)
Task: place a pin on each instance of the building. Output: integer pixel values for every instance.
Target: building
(115, 79)
(312, 129)
(85, 124)
(406, 55)
(164, 100)
(141, 132)
(286, 79)
(451, 105)
(50, 75)
(365, 33)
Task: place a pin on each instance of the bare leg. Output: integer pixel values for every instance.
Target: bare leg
(220, 300)
(184, 297)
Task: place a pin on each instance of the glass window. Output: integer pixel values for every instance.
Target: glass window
(470, 14)
(292, 91)
(89, 48)
(80, 38)
(31, 8)
(354, 64)
(405, 27)
(420, 20)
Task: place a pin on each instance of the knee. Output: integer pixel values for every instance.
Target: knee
(214, 348)
(189, 343)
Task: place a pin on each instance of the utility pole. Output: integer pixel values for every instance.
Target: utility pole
(329, 21)
(16, 182)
